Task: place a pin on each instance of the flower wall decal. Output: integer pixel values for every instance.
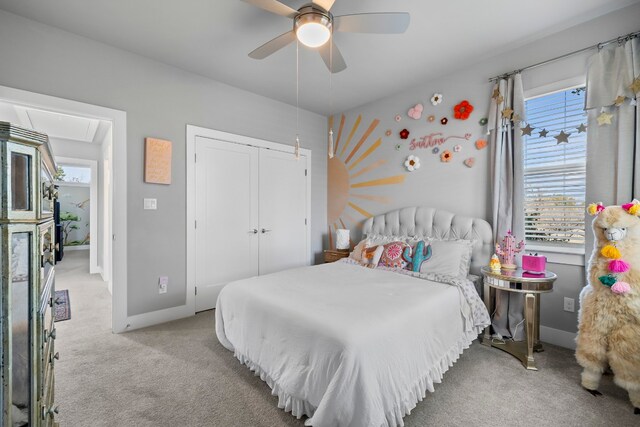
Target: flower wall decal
(398, 117)
(435, 150)
(398, 147)
(481, 143)
(404, 134)
(412, 163)
(436, 98)
(483, 121)
(457, 148)
(446, 156)
(463, 110)
(444, 121)
(431, 118)
(388, 132)
(415, 112)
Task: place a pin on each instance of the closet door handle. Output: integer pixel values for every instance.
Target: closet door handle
(264, 230)
(254, 231)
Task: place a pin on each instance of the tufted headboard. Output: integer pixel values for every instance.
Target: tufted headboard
(430, 222)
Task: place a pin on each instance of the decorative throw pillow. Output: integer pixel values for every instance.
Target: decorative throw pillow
(358, 250)
(392, 255)
(371, 256)
(449, 257)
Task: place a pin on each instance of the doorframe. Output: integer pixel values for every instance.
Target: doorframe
(93, 210)
(196, 131)
(120, 321)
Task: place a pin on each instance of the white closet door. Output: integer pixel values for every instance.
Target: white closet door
(283, 211)
(226, 210)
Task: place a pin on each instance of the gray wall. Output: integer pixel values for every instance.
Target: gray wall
(160, 101)
(460, 189)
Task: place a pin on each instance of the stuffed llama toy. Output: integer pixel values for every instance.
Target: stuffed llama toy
(609, 317)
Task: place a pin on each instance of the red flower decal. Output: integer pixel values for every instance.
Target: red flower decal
(404, 134)
(463, 110)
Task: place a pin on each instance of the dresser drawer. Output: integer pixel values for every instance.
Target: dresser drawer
(49, 410)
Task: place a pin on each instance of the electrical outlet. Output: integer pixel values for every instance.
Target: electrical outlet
(569, 304)
(163, 283)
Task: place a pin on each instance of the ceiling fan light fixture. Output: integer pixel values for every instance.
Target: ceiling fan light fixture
(312, 28)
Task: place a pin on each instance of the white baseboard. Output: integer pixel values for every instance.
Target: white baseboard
(558, 337)
(156, 317)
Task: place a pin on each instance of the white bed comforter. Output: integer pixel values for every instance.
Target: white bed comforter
(347, 345)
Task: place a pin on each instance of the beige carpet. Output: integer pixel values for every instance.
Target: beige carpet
(177, 374)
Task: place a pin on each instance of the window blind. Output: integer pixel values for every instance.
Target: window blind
(555, 171)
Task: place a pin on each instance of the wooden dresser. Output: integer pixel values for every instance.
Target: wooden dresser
(27, 259)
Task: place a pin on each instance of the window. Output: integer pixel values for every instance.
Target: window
(555, 169)
(76, 174)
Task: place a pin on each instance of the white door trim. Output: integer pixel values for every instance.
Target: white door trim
(93, 209)
(192, 133)
(119, 319)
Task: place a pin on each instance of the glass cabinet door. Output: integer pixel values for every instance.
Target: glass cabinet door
(48, 192)
(20, 182)
(20, 250)
(22, 167)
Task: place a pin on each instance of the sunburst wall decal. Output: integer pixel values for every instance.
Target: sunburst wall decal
(351, 177)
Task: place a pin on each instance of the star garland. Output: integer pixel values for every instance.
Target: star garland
(603, 119)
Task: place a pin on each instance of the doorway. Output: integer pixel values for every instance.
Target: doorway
(80, 195)
(90, 124)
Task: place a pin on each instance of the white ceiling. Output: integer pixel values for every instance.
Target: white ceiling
(213, 37)
(56, 125)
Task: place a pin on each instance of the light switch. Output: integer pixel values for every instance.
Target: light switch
(151, 204)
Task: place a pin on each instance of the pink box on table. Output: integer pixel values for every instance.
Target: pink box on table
(534, 263)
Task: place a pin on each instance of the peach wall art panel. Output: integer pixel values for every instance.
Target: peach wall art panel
(157, 161)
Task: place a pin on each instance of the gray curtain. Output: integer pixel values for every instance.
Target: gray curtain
(507, 185)
(613, 155)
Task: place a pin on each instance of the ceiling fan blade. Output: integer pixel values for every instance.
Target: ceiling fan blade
(380, 23)
(273, 46)
(326, 51)
(274, 6)
(325, 4)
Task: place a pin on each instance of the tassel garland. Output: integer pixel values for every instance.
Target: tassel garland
(616, 266)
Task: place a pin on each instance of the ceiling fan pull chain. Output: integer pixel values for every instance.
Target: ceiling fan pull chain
(297, 146)
(331, 149)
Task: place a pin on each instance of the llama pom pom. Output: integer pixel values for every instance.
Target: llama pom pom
(595, 208)
(632, 208)
(618, 266)
(620, 288)
(610, 252)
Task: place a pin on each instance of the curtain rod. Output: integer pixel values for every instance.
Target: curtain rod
(620, 39)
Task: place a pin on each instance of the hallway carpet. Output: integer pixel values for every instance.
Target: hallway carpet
(177, 374)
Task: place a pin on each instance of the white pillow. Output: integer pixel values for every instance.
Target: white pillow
(450, 257)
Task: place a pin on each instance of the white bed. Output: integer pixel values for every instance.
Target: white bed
(350, 346)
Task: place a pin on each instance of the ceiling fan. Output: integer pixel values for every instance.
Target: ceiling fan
(313, 26)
